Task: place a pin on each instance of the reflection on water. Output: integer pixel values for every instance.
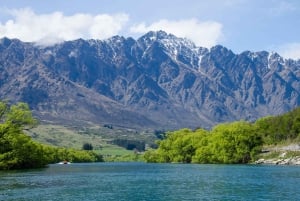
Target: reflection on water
(140, 181)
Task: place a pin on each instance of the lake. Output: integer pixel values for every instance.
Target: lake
(143, 181)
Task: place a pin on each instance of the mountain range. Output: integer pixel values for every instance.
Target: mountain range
(158, 81)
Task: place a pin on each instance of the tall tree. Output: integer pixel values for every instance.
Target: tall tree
(17, 149)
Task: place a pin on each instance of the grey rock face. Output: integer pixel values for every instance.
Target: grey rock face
(157, 81)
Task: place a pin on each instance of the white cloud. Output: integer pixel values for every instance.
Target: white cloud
(291, 50)
(50, 28)
(205, 34)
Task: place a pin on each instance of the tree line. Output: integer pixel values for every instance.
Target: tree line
(235, 142)
(18, 151)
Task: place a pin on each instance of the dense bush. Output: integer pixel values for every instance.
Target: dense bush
(237, 142)
(280, 128)
(226, 143)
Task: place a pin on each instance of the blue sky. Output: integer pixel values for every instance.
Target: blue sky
(255, 25)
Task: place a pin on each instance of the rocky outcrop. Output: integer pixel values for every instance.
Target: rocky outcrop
(158, 81)
(281, 161)
(283, 157)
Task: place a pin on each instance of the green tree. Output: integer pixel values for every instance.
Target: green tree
(87, 146)
(17, 149)
(235, 142)
(276, 129)
(178, 146)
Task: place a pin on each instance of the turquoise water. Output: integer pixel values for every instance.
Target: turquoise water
(142, 181)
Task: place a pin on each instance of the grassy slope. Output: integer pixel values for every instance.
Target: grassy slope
(99, 137)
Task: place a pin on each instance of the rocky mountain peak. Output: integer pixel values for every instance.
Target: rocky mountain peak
(156, 81)
(5, 42)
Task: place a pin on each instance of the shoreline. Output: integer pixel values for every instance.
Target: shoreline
(279, 161)
(283, 157)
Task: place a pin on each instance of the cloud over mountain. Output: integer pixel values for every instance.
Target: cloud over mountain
(204, 34)
(29, 26)
(290, 50)
(55, 27)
